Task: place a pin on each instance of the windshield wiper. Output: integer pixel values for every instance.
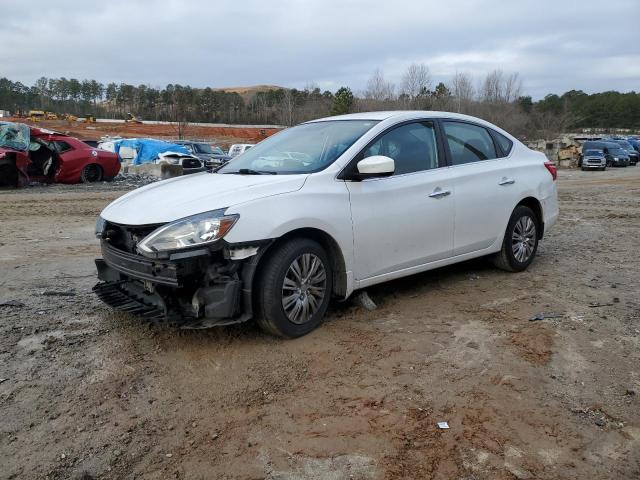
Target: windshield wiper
(248, 171)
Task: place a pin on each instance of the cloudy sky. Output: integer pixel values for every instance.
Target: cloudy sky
(555, 45)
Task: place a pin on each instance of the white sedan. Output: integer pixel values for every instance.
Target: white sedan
(368, 197)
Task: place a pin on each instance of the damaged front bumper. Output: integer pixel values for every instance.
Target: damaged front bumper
(195, 289)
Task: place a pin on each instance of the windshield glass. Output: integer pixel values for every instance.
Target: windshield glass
(597, 153)
(14, 135)
(203, 148)
(617, 151)
(624, 144)
(217, 150)
(306, 148)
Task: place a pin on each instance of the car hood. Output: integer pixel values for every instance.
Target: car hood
(180, 197)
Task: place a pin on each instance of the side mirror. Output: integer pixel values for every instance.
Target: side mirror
(376, 166)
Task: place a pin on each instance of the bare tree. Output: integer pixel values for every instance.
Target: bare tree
(416, 80)
(491, 87)
(287, 107)
(512, 89)
(378, 89)
(462, 91)
(497, 88)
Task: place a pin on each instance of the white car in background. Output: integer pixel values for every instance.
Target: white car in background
(367, 198)
(238, 148)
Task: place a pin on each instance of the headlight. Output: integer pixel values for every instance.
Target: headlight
(100, 224)
(202, 229)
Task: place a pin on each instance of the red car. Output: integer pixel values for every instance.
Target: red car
(30, 154)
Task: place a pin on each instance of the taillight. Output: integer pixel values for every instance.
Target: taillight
(552, 170)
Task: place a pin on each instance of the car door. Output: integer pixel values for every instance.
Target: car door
(406, 219)
(485, 184)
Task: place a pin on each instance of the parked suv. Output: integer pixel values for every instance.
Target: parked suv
(211, 157)
(628, 149)
(593, 158)
(613, 153)
(616, 155)
(367, 198)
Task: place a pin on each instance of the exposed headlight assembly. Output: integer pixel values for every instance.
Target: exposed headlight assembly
(197, 230)
(100, 224)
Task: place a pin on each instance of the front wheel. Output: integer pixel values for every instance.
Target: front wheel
(294, 288)
(520, 241)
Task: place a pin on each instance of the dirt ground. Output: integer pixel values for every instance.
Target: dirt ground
(88, 393)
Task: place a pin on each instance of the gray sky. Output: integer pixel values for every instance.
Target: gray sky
(555, 45)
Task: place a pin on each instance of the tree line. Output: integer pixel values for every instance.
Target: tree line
(497, 97)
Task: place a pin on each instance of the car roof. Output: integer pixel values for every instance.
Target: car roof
(399, 114)
(402, 115)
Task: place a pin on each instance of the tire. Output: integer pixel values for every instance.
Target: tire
(604, 169)
(294, 308)
(583, 169)
(91, 173)
(516, 254)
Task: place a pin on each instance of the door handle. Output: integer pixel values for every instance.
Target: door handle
(506, 181)
(438, 193)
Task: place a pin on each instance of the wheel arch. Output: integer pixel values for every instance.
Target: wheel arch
(535, 205)
(340, 279)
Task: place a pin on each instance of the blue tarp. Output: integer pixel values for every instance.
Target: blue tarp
(147, 149)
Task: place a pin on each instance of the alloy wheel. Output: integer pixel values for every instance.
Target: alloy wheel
(92, 173)
(304, 288)
(523, 239)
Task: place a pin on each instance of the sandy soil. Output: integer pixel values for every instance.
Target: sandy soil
(88, 393)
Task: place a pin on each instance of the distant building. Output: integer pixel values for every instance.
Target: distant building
(5, 113)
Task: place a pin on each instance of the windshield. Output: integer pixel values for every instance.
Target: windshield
(203, 148)
(617, 151)
(597, 153)
(306, 148)
(217, 150)
(624, 144)
(14, 135)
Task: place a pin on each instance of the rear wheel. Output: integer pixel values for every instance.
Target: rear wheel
(520, 241)
(91, 173)
(294, 288)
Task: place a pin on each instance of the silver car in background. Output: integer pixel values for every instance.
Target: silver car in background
(593, 158)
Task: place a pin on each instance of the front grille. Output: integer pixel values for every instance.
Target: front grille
(191, 163)
(112, 295)
(126, 238)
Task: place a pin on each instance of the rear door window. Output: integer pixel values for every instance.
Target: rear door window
(468, 143)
